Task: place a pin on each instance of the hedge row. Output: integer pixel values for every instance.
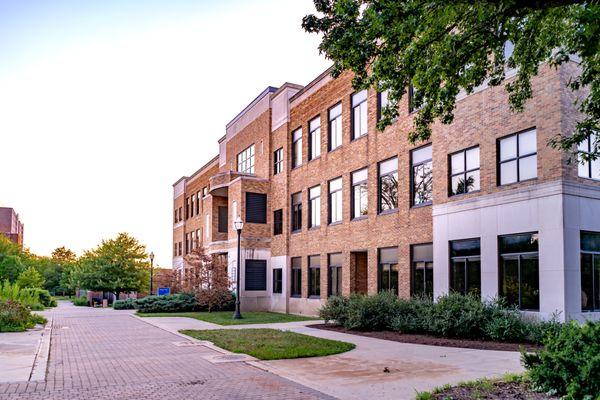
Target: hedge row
(181, 302)
(453, 316)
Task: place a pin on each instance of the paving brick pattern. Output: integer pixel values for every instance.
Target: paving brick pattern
(104, 354)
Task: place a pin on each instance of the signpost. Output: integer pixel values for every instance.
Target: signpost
(164, 291)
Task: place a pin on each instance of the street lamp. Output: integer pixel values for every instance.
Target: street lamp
(151, 270)
(238, 224)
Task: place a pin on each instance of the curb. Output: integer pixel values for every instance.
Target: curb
(40, 362)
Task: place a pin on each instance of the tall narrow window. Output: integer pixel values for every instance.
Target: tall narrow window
(314, 134)
(412, 104)
(277, 280)
(382, 103)
(359, 114)
(335, 200)
(590, 271)
(207, 226)
(314, 276)
(204, 191)
(335, 127)
(296, 277)
(223, 223)
(245, 160)
(198, 198)
(465, 266)
(388, 269)
(297, 212)
(464, 171)
(198, 237)
(360, 204)
(180, 252)
(588, 168)
(297, 148)
(519, 270)
(175, 216)
(314, 206)
(388, 185)
(517, 157)
(277, 222)
(192, 205)
(278, 161)
(334, 278)
(422, 270)
(187, 207)
(422, 176)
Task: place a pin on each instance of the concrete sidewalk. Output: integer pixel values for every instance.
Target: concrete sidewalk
(359, 374)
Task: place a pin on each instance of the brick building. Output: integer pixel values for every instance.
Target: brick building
(332, 205)
(10, 225)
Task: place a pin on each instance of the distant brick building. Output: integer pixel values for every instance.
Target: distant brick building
(332, 205)
(10, 225)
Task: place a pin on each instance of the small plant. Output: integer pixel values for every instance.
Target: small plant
(80, 301)
(15, 317)
(569, 363)
(43, 296)
(13, 292)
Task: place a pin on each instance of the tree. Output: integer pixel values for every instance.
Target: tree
(30, 278)
(117, 265)
(11, 264)
(440, 48)
(206, 277)
(64, 255)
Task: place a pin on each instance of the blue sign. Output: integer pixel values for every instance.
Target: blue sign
(164, 291)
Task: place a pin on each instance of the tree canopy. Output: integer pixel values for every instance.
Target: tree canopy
(441, 48)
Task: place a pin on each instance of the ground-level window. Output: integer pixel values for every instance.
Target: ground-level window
(388, 269)
(256, 275)
(422, 270)
(335, 274)
(277, 280)
(314, 276)
(296, 277)
(465, 266)
(519, 270)
(590, 271)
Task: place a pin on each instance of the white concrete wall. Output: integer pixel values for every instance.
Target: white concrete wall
(532, 209)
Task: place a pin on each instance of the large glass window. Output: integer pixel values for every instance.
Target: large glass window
(360, 197)
(422, 270)
(382, 103)
(519, 270)
(359, 114)
(335, 127)
(297, 148)
(277, 280)
(464, 171)
(278, 161)
(314, 206)
(335, 274)
(590, 271)
(422, 176)
(388, 269)
(517, 157)
(296, 289)
(314, 134)
(314, 276)
(296, 211)
(587, 168)
(465, 266)
(388, 185)
(245, 160)
(335, 200)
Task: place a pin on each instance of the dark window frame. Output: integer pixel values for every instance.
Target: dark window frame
(223, 226)
(314, 278)
(390, 272)
(380, 105)
(278, 222)
(353, 118)
(247, 282)
(463, 173)
(413, 263)
(296, 213)
(329, 124)
(311, 209)
(588, 164)
(278, 161)
(330, 194)
(296, 278)
(277, 285)
(256, 218)
(352, 197)
(413, 166)
(247, 158)
(295, 156)
(311, 132)
(595, 284)
(466, 259)
(517, 158)
(339, 276)
(379, 186)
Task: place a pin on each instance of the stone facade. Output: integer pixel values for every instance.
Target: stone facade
(539, 205)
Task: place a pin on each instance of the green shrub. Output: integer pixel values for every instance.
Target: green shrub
(336, 309)
(569, 363)
(13, 292)
(372, 312)
(43, 296)
(80, 301)
(127, 304)
(15, 317)
(456, 315)
(409, 317)
(174, 303)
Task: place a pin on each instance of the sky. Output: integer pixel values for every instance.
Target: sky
(105, 104)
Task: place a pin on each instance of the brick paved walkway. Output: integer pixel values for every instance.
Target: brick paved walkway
(106, 354)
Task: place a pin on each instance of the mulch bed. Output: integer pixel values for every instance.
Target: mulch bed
(432, 340)
(499, 390)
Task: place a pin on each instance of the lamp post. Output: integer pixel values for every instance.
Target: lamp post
(151, 270)
(238, 224)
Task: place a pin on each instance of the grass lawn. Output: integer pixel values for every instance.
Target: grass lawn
(270, 344)
(226, 317)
